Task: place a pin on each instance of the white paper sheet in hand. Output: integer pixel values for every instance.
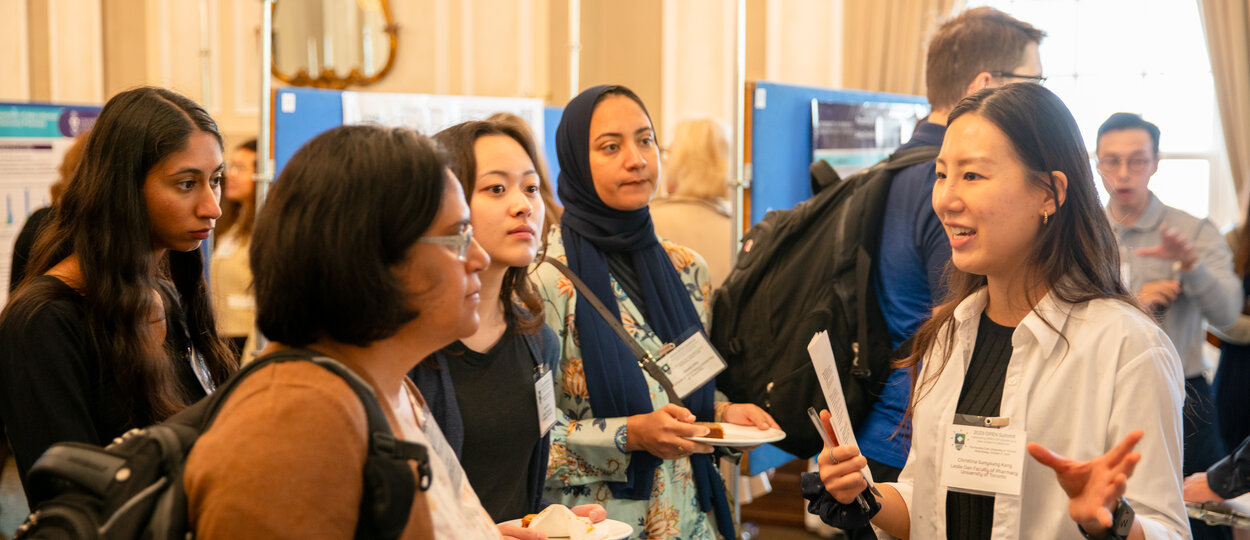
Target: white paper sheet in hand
(827, 371)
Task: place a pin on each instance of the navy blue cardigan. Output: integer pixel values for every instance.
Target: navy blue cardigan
(435, 385)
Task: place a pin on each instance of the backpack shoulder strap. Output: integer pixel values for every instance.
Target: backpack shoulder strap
(912, 156)
(864, 260)
(389, 488)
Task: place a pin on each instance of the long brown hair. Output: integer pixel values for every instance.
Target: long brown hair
(523, 308)
(1074, 254)
(103, 219)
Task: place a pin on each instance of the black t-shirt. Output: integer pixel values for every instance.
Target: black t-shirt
(495, 393)
(972, 516)
(52, 385)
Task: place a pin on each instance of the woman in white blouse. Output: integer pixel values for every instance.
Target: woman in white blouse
(1037, 342)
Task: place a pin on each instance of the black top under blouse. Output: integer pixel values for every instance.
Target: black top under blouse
(495, 394)
(971, 516)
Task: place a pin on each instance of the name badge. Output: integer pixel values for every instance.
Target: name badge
(983, 460)
(545, 394)
(692, 364)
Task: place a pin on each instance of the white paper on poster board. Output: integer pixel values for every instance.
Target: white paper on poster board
(827, 372)
(428, 114)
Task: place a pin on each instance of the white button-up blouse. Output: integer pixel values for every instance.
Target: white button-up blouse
(1078, 385)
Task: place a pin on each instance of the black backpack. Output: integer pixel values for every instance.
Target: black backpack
(133, 487)
(801, 271)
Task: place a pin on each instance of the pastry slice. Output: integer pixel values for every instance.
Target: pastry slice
(560, 522)
(715, 430)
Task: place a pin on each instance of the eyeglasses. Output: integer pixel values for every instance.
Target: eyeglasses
(459, 241)
(1038, 79)
(1111, 164)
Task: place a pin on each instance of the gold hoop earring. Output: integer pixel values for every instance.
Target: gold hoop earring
(1045, 218)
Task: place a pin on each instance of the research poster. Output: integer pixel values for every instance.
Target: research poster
(33, 139)
(428, 114)
(853, 136)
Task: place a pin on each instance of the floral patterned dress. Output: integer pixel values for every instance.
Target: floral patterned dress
(586, 451)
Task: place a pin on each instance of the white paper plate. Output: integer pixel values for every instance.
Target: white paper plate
(736, 435)
(608, 529)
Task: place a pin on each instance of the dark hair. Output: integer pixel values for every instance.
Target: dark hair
(237, 213)
(345, 210)
(136, 130)
(551, 206)
(1075, 253)
(976, 41)
(458, 141)
(1123, 120)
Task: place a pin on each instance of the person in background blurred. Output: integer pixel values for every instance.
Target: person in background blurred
(229, 274)
(696, 213)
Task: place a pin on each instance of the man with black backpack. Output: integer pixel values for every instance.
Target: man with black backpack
(980, 48)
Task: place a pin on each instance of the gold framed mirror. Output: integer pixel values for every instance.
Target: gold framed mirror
(333, 43)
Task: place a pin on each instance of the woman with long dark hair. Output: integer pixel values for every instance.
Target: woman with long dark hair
(619, 439)
(112, 328)
(1037, 339)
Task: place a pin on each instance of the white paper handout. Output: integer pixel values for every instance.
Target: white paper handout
(827, 371)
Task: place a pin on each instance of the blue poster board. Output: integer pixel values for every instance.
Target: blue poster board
(781, 140)
(299, 115)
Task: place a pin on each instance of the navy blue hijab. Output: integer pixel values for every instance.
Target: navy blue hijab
(613, 379)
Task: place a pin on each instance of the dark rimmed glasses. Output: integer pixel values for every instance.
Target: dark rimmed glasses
(1037, 79)
(1111, 164)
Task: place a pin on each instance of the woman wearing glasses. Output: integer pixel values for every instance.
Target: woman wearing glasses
(512, 356)
(363, 253)
(619, 440)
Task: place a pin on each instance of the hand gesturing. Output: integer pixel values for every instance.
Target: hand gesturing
(1093, 486)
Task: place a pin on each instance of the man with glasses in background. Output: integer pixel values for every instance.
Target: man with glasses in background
(1181, 270)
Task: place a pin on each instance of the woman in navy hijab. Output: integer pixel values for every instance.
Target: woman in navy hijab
(619, 441)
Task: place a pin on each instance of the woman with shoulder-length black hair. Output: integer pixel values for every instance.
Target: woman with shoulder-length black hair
(1037, 339)
(112, 328)
(363, 253)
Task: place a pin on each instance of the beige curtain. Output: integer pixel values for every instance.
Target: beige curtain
(1227, 24)
(884, 41)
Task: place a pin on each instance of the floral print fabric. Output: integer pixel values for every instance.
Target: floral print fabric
(587, 452)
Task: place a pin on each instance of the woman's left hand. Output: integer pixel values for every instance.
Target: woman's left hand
(748, 414)
(1093, 486)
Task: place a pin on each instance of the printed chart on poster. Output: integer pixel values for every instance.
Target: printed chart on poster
(33, 139)
(853, 136)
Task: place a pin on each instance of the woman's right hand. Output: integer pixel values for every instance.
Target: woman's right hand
(840, 472)
(663, 433)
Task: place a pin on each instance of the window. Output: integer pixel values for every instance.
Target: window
(1148, 57)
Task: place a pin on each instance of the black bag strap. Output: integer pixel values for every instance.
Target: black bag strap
(863, 263)
(645, 359)
(389, 487)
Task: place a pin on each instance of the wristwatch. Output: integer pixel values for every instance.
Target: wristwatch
(1121, 522)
